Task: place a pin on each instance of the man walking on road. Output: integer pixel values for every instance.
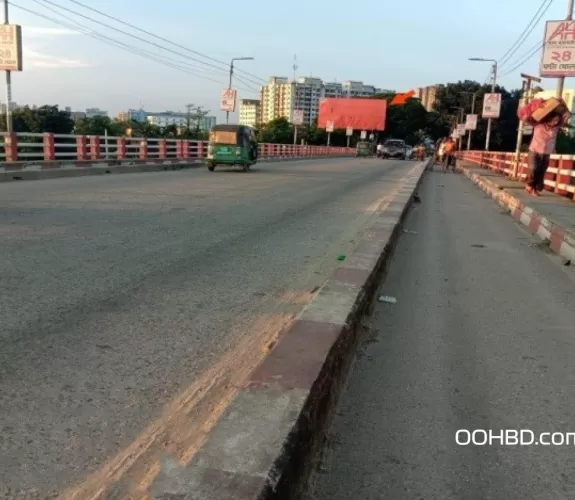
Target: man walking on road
(449, 150)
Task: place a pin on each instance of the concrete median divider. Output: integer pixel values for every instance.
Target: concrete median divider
(264, 444)
(29, 172)
(559, 237)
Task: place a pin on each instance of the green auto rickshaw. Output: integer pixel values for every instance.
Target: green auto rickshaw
(364, 148)
(232, 145)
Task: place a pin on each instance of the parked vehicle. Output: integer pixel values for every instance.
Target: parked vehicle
(394, 148)
(232, 145)
(364, 148)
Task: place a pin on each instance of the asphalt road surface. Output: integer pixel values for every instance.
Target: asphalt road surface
(482, 337)
(133, 305)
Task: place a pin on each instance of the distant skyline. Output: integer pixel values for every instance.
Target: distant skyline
(397, 46)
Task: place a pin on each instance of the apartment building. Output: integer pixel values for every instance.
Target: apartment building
(428, 96)
(308, 93)
(280, 97)
(353, 88)
(249, 113)
(92, 112)
(277, 99)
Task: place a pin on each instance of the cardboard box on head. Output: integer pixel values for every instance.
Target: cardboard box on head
(548, 108)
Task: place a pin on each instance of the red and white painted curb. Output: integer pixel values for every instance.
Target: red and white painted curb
(561, 241)
(264, 442)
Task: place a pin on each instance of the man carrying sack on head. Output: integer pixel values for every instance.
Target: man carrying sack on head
(547, 116)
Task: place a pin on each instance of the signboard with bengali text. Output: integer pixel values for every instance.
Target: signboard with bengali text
(471, 122)
(298, 117)
(329, 126)
(228, 100)
(558, 53)
(10, 47)
(491, 105)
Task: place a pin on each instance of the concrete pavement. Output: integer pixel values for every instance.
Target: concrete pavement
(481, 337)
(134, 306)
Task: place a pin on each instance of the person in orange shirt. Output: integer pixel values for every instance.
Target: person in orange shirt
(449, 150)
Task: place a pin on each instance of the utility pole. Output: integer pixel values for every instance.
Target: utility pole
(561, 80)
(230, 86)
(9, 124)
(525, 98)
(493, 82)
(472, 112)
(231, 76)
(188, 116)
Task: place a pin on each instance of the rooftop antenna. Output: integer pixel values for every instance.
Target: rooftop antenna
(294, 66)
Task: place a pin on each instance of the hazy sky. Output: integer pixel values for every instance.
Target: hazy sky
(396, 45)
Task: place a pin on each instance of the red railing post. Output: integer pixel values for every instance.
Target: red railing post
(121, 148)
(81, 147)
(11, 147)
(48, 147)
(565, 164)
(200, 150)
(95, 147)
(550, 176)
(162, 149)
(186, 149)
(143, 149)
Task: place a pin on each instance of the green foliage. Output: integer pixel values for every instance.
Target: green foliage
(52, 119)
(38, 120)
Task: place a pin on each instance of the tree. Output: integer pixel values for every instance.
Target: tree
(278, 131)
(39, 120)
(452, 96)
(98, 125)
(197, 117)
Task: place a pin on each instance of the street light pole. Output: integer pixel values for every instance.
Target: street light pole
(472, 112)
(493, 83)
(561, 80)
(231, 76)
(9, 126)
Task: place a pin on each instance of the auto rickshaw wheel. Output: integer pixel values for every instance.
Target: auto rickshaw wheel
(211, 167)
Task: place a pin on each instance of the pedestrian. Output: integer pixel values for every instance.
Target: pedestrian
(379, 150)
(543, 141)
(449, 150)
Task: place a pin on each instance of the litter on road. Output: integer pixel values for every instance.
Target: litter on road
(388, 299)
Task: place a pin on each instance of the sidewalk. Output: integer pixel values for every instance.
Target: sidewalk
(549, 216)
(479, 337)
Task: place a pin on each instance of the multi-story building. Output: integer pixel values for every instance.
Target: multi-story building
(77, 115)
(308, 93)
(357, 89)
(277, 99)
(92, 112)
(180, 120)
(333, 90)
(428, 96)
(249, 113)
(280, 97)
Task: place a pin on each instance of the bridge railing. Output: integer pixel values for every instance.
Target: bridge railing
(49, 149)
(559, 179)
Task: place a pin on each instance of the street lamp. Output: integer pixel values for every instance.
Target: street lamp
(494, 61)
(232, 74)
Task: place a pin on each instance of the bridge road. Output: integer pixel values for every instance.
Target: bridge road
(132, 305)
(482, 337)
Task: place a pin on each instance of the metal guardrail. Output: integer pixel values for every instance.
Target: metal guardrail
(63, 148)
(559, 178)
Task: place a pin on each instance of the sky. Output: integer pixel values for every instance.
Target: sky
(392, 45)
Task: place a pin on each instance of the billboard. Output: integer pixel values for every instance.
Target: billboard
(359, 114)
(228, 100)
(471, 122)
(298, 116)
(558, 54)
(10, 47)
(491, 105)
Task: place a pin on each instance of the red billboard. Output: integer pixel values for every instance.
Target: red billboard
(359, 114)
